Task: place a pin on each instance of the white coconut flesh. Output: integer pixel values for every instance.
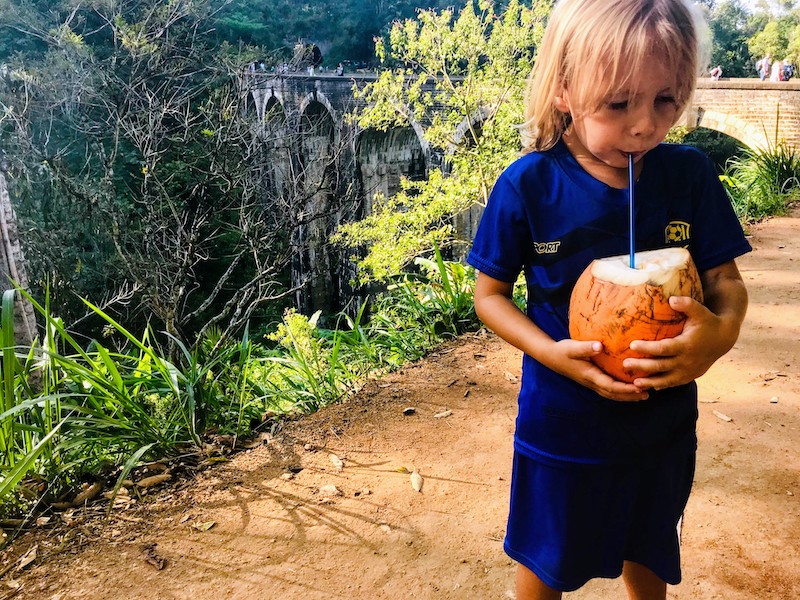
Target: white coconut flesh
(660, 268)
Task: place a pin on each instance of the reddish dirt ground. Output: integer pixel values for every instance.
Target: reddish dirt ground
(266, 524)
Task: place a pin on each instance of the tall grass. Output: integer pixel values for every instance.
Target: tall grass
(439, 297)
(7, 454)
(416, 313)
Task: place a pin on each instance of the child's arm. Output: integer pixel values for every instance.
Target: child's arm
(569, 357)
(710, 331)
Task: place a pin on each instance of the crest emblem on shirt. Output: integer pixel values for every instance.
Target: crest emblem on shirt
(676, 232)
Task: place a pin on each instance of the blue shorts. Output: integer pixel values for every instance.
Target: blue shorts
(570, 523)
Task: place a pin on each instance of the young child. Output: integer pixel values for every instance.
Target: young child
(602, 469)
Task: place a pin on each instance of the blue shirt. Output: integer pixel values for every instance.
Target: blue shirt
(547, 217)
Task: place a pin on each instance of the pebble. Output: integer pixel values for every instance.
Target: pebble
(329, 490)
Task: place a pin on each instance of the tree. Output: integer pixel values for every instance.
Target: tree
(129, 150)
(731, 27)
(460, 78)
(772, 39)
(343, 29)
(776, 32)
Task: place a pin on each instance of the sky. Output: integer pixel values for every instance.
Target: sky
(751, 5)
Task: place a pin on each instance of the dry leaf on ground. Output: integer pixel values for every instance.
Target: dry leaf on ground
(722, 416)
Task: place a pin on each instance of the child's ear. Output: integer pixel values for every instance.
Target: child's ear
(561, 102)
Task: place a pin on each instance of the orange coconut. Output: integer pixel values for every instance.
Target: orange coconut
(615, 304)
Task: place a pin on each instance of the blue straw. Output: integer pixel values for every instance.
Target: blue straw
(630, 213)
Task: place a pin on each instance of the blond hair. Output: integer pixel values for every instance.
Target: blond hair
(595, 47)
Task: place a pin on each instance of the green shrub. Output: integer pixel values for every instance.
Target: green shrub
(762, 183)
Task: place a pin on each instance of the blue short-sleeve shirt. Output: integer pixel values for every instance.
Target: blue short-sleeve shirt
(547, 217)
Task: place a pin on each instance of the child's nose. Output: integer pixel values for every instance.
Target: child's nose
(643, 121)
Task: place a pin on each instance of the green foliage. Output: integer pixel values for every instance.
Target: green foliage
(101, 409)
(7, 399)
(731, 27)
(720, 148)
(343, 29)
(777, 33)
(399, 227)
(100, 406)
(763, 183)
(439, 297)
(460, 78)
(773, 38)
(793, 47)
(676, 134)
(309, 374)
(317, 367)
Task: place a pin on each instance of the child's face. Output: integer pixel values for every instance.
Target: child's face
(627, 122)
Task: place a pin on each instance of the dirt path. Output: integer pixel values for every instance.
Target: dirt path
(265, 525)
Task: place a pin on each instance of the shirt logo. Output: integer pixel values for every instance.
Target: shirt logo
(546, 247)
(676, 232)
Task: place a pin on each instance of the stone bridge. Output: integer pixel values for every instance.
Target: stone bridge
(307, 139)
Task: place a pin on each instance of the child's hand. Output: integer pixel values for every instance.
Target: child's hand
(709, 332)
(679, 360)
(572, 359)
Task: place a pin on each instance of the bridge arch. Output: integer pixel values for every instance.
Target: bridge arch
(418, 130)
(263, 97)
(318, 176)
(733, 125)
(316, 98)
(466, 222)
(420, 133)
(475, 119)
(317, 129)
(272, 99)
(758, 113)
(383, 157)
(275, 118)
(276, 146)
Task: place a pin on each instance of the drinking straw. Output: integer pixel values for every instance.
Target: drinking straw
(630, 213)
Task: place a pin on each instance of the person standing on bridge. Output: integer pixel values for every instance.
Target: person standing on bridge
(763, 67)
(603, 469)
(787, 70)
(776, 71)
